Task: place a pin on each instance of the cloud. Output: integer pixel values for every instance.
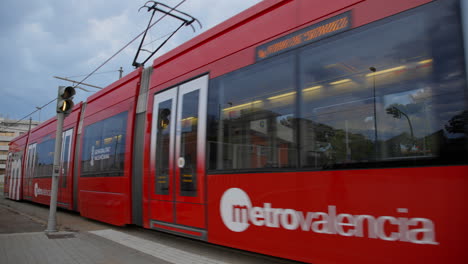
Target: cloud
(46, 38)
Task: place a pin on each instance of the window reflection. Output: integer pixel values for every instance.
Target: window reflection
(256, 118)
(388, 94)
(188, 146)
(163, 147)
(65, 159)
(45, 157)
(104, 147)
(341, 122)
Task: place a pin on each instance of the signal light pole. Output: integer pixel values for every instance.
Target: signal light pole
(64, 108)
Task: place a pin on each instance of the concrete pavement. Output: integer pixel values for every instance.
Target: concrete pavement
(13, 222)
(81, 240)
(22, 240)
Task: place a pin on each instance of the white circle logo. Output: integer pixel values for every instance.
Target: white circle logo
(234, 208)
(35, 189)
(181, 162)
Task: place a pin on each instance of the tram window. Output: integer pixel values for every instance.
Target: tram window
(413, 67)
(188, 143)
(31, 160)
(8, 168)
(255, 114)
(45, 158)
(392, 93)
(163, 147)
(449, 106)
(65, 159)
(104, 147)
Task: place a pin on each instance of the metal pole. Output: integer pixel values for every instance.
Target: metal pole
(120, 73)
(52, 223)
(409, 123)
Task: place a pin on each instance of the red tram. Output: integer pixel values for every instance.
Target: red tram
(320, 131)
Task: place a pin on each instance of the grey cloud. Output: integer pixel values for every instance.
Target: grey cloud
(44, 38)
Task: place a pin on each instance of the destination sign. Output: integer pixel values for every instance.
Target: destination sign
(305, 36)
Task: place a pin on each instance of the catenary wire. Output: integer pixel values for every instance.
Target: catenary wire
(151, 42)
(33, 112)
(128, 44)
(76, 76)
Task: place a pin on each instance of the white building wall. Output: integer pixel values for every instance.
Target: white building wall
(11, 126)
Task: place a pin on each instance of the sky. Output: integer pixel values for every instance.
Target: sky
(70, 38)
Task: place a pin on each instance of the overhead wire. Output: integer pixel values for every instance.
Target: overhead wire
(151, 42)
(105, 62)
(39, 108)
(76, 76)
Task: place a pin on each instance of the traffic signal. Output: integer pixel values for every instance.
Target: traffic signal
(395, 112)
(65, 99)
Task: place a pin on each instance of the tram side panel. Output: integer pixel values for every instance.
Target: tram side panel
(181, 66)
(6, 181)
(334, 217)
(403, 214)
(13, 187)
(40, 158)
(105, 160)
(39, 164)
(356, 216)
(67, 166)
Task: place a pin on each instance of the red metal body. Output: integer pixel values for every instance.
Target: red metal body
(397, 215)
(36, 188)
(67, 179)
(397, 195)
(108, 198)
(14, 180)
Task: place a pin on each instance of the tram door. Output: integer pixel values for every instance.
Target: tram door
(64, 198)
(177, 188)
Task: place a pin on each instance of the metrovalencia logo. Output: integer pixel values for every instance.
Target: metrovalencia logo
(39, 191)
(238, 214)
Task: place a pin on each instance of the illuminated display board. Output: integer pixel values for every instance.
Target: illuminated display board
(305, 36)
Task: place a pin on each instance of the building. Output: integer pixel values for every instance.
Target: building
(9, 129)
